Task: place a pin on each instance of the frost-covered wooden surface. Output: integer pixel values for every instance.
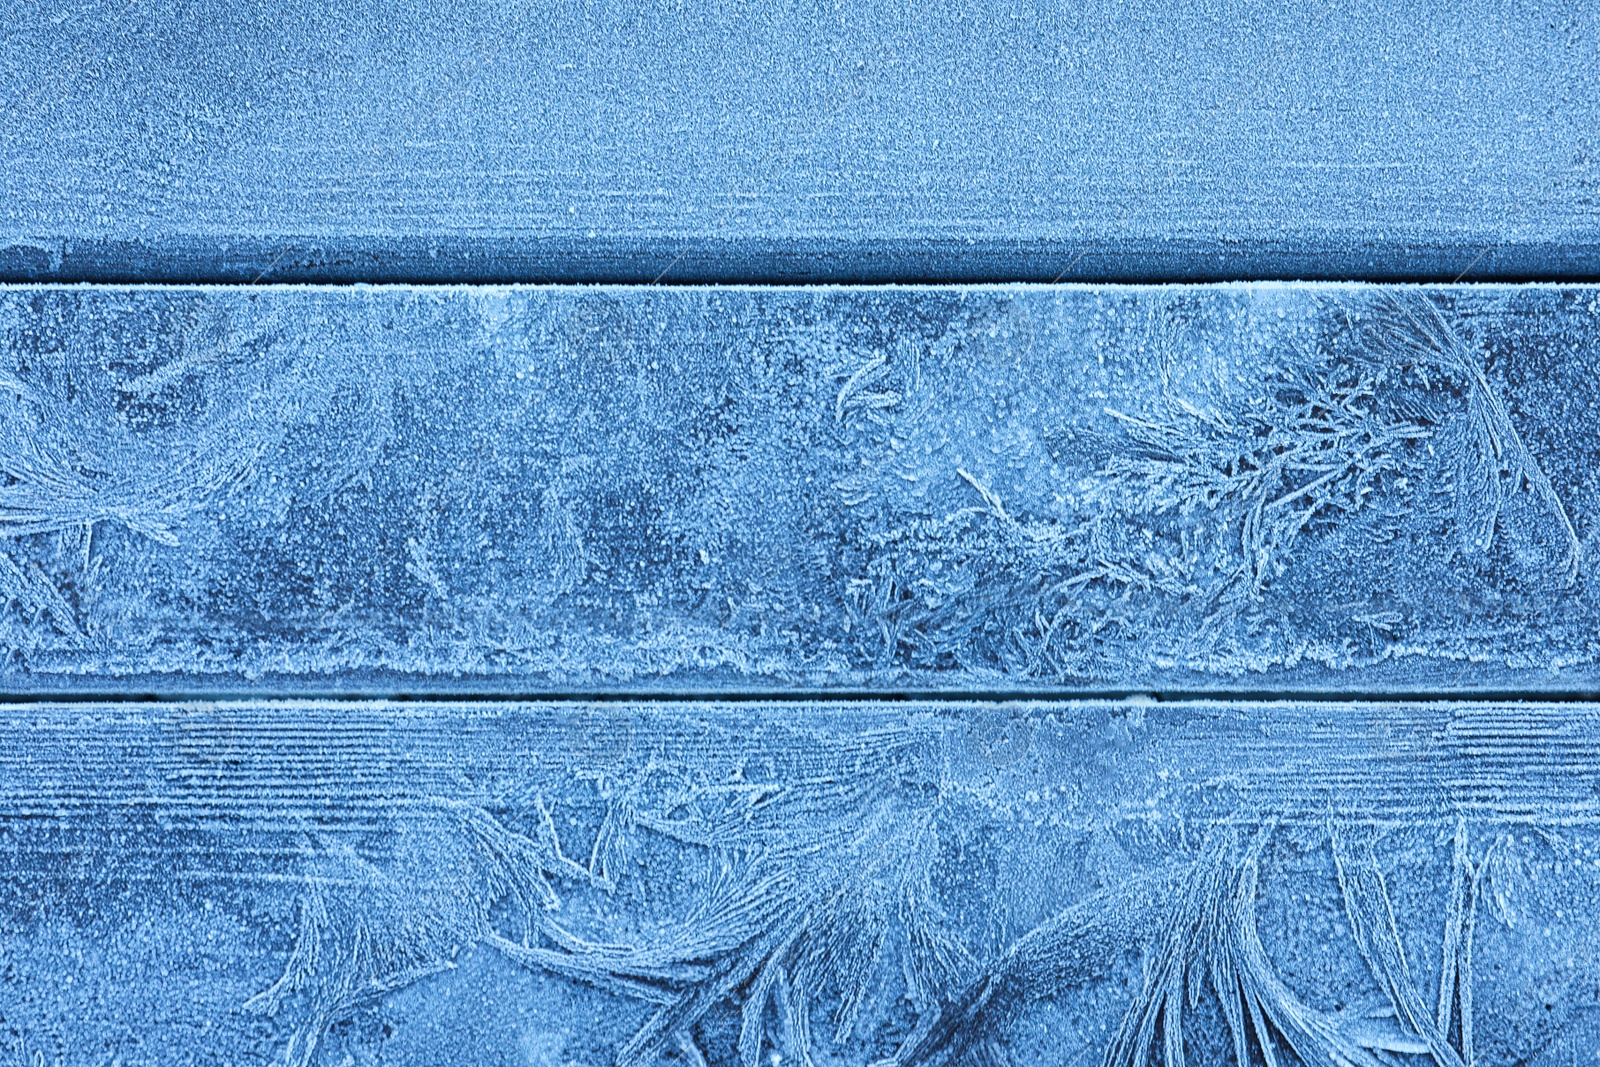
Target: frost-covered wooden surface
(841, 676)
(1251, 488)
(481, 140)
(916, 884)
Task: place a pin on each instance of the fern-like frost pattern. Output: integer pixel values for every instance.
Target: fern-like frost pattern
(1365, 884)
(985, 489)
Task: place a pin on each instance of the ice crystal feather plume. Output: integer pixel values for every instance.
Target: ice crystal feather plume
(1207, 942)
(71, 461)
(1226, 495)
(366, 930)
(1313, 454)
(780, 929)
(1078, 946)
(1222, 495)
(1408, 333)
(68, 465)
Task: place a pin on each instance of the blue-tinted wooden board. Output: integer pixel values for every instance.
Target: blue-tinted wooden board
(634, 884)
(549, 490)
(893, 141)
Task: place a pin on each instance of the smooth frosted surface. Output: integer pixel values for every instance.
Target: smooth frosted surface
(886, 141)
(1085, 489)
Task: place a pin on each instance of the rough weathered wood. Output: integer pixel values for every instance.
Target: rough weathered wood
(494, 877)
(536, 490)
(896, 141)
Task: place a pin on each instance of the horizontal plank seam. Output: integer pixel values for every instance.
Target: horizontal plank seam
(929, 280)
(822, 697)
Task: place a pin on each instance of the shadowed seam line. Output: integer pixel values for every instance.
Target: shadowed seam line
(1063, 696)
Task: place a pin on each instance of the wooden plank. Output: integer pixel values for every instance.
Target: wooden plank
(253, 879)
(1244, 488)
(896, 141)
